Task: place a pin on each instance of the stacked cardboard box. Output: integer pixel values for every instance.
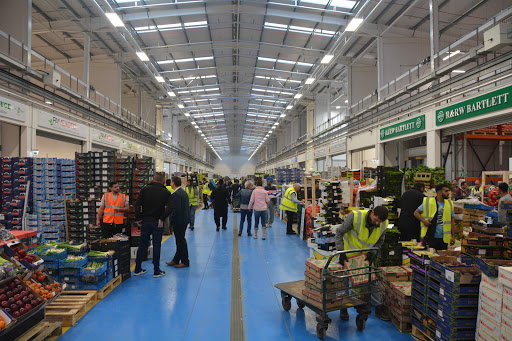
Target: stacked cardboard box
(485, 246)
(313, 284)
(396, 281)
(16, 174)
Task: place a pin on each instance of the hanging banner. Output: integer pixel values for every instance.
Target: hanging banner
(12, 109)
(105, 138)
(61, 124)
(130, 146)
(492, 101)
(402, 128)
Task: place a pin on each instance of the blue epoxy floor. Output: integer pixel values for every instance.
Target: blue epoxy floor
(194, 303)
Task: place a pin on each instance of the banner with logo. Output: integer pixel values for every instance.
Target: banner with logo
(12, 109)
(61, 124)
(148, 151)
(492, 101)
(130, 146)
(406, 127)
(105, 138)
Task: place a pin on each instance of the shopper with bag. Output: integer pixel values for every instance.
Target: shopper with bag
(259, 201)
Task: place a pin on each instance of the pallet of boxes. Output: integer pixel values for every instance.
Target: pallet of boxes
(495, 302)
(396, 281)
(312, 291)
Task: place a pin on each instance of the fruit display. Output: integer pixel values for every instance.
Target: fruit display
(18, 299)
(38, 287)
(21, 254)
(3, 324)
(39, 276)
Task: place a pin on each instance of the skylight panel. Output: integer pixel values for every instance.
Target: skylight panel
(334, 3)
(278, 79)
(283, 61)
(184, 60)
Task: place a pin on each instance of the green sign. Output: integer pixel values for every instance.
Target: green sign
(496, 100)
(402, 128)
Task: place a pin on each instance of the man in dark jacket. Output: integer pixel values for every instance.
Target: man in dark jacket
(221, 199)
(408, 225)
(180, 217)
(152, 207)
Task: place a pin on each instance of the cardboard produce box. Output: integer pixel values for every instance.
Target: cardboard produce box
(330, 283)
(354, 264)
(315, 266)
(395, 273)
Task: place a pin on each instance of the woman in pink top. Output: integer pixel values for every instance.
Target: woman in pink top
(259, 200)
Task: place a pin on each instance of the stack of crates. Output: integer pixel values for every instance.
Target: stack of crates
(70, 272)
(90, 210)
(76, 225)
(390, 254)
(121, 258)
(84, 175)
(68, 178)
(16, 174)
(143, 171)
(95, 278)
(426, 323)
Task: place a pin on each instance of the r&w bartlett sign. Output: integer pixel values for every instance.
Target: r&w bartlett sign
(496, 100)
(402, 128)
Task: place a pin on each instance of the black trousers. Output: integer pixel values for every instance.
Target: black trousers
(217, 214)
(205, 200)
(437, 243)
(181, 255)
(110, 229)
(290, 216)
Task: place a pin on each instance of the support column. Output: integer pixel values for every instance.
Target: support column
(159, 126)
(434, 148)
(380, 66)
(310, 119)
(87, 145)
(87, 58)
(28, 33)
(380, 154)
(401, 154)
(349, 91)
(434, 34)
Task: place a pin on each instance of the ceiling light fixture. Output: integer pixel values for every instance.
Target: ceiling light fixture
(283, 115)
(310, 80)
(346, 101)
(160, 79)
(297, 96)
(171, 93)
(338, 107)
(142, 56)
(289, 107)
(458, 71)
(114, 19)
(327, 59)
(181, 106)
(354, 24)
(187, 114)
(451, 54)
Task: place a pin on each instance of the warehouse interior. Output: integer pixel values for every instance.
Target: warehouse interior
(293, 90)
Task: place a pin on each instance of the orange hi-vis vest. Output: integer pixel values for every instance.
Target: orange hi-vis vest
(109, 214)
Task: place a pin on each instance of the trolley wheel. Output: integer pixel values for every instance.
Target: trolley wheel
(287, 303)
(360, 322)
(321, 331)
(300, 305)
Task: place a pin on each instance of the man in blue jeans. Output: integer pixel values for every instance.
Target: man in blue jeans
(152, 207)
(244, 196)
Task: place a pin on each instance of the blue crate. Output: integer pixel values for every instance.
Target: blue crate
(58, 211)
(93, 279)
(49, 258)
(70, 180)
(69, 185)
(39, 173)
(71, 271)
(69, 279)
(97, 286)
(479, 207)
(58, 217)
(40, 161)
(44, 211)
(51, 235)
(52, 160)
(95, 272)
(57, 205)
(74, 264)
(52, 264)
(67, 162)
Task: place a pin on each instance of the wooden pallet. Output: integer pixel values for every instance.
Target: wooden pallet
(107, 289)
(44, 330)
(419, 335)
(70, 307)
(403, 327)
(423, 177)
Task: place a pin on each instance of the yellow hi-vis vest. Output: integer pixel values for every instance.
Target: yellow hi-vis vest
(359, 237)
(287, 204)
(476, 192)
(169, 188)
(192, 199)
(206, 189)
(430, 209)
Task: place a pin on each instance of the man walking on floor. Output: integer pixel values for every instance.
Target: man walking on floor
(112, 209)
(192, 193)
(180, 217)
(272, 203)
(151, 208)
(289, 204)
(221, 199)
(436, 216)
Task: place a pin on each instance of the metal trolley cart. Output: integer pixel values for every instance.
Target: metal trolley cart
(355, 296)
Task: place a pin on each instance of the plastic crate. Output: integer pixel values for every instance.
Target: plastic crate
(74, 264)
(52, 264)
(53, 257)
(98, 286)
(70, 271)
(96, 272)
(93, 279)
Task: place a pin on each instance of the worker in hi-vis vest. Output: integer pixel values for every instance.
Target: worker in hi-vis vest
(206, 193)
(289, 205)
(192, 193)
(113, 206)
(168, 186)
(476, 191)
(364, 229)
(436, 216)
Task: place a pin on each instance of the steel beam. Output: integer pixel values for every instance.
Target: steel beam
(434, 34)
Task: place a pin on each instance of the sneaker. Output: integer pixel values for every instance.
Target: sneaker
(255, 237)
(218, 229)
(382, 312)
(160, 274)
(239, 234)
(140, 272)
(263, 238)
(270, 225)
(224, 228)
(191, 228)
(249, 234)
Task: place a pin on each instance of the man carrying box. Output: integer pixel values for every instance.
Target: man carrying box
(438, 210)
(112, 208)
(364, 229)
